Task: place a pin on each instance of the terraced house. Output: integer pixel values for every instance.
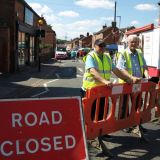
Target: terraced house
(21, 35)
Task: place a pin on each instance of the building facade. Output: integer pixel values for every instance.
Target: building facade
(19, 38)
(110, 35)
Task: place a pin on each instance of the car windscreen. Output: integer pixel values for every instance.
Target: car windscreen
(61, 49)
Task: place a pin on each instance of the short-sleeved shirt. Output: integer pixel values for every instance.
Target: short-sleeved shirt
(90, 62)
(136, 71)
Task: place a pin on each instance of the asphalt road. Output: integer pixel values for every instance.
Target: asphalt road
(65, 80)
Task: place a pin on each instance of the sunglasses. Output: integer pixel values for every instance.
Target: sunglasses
(102, 45)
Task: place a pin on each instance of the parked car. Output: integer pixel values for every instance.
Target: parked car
(73, 53)
(83, 51)
(61, 53)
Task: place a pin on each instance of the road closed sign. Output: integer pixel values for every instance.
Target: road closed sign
(42, 129)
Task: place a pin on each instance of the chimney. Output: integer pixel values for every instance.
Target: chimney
(87, 34)
(104, 26)
(81, 35)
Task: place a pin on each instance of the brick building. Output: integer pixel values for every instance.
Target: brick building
(109, 34)
(86, 42)
(19, 39)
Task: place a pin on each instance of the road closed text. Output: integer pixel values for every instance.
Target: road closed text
(30, 145)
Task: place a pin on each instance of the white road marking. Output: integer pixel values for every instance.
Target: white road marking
(80, 69)
(45, 86)
(78, 75)
(57, 75)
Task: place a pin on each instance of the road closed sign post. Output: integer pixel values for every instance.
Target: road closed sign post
(42, 129)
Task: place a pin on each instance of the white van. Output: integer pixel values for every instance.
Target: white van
(61, 53)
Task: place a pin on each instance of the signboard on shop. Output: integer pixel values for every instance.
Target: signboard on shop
(38, 129)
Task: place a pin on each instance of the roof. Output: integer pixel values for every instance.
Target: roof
(141, 29)
(86, 37)
(102, 30)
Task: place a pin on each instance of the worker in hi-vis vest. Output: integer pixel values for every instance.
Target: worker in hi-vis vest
(131, 61)
(98, 68)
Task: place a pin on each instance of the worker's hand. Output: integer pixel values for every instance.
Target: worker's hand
(136, 79)
(108, 83)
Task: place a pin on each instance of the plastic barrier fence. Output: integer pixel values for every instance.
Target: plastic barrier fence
(103, 107)
(157, 113)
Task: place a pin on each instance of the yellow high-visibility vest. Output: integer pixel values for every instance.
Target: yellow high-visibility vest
(84, 58)
(129, 62)
(104, 68)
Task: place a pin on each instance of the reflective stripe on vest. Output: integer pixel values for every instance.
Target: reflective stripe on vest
(129, 62)
(84, 58)
(104, 68)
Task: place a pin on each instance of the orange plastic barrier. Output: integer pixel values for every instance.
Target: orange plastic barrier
(137, 111)
(157, 113)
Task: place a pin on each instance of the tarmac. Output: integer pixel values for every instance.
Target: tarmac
(14, 84)
(125, 146)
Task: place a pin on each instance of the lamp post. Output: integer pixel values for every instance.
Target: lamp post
(40, 23)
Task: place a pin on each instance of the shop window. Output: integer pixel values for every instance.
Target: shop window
(21, 48)
(31, 50)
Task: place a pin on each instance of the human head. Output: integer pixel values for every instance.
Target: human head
(133, 42)
(100, 46)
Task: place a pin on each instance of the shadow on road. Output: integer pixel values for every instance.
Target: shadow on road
(17, 84)
(128, 146)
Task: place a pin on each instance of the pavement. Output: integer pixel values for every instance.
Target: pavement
(14, 84)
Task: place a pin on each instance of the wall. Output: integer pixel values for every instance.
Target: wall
(7, 20)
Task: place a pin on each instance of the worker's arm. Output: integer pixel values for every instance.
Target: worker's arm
(123, 74)
(146, 74)
(98, 77)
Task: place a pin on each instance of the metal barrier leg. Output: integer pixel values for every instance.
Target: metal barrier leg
(104, 148)
(139, 131)
(95, 144)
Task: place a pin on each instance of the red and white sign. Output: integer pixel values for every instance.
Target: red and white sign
(42, 129)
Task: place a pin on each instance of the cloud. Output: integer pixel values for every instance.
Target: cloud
(45, 11)
(69, 30)
(68, 14)
(146, 7)
(76, 28)
(107, 18)
(106, 4)
(134, 22)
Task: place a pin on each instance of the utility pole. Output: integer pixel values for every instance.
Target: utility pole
(159, 13)
(115, 11)
(114, 22)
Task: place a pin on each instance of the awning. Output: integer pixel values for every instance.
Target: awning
(112, 47)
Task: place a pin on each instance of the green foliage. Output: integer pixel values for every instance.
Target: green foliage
(50, 26)
(60, 41)
(44, 45)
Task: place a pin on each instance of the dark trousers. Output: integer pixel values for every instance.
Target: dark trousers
(93, 111)
(124, 105)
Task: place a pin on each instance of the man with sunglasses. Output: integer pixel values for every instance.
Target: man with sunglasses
(98, 68)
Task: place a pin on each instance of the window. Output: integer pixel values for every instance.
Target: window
(28, 17)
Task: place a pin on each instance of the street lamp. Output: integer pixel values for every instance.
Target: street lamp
(40, 23)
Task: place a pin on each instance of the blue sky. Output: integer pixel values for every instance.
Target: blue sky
(70, 18)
